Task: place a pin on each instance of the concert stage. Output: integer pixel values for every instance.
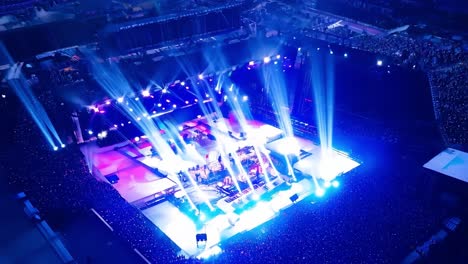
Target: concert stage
(221, 182)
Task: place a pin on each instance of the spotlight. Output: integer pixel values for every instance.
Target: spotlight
(137, 98)
(278, 56)
(120, 99)
(55, 148)
(182, 83)
(318, 49)
(225, 98)
(102, 135)
(331, 52)
(335, 184)
(298, 49)
(275, 62)
(159, 105)
(131, 109)
(3, 95)
(174, 106)
(186, 102)
(145, 93)
(202, 216)
(108, 102)
(196, 100)
(207, 95)
(327, 184)
(345, 55)
(90, 132)
(164, 90)
(319, 192)
(115, 125)
(379, 63)
(251, 63)
(168, 101)
(266, 59)
(200, 76)
(63, 145)
(137, 139)
(255, 197)
(245, 98)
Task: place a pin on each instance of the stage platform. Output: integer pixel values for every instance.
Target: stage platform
(193, 193)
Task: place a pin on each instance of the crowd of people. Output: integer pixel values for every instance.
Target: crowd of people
(450, 98)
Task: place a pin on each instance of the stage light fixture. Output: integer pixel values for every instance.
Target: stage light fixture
(225, 98)
(186, 102)
(299, 49)
(120, 99)
(3, 95)
(137, 139)
(145, 93)
(255, 197)
(251, 63)
(159, 105)
(164, 90)
(108, 102)
(55, 148)
(379, 63)
(174, 106)
(90, 132)
(319, 192)
(266, 59)
(63, 145)
(335, 184)
(137, 98)
(331, 52)
(202, 216)
(182, 83)
(200, 76)
(345, 55)
(245, 98)
(278, 56)
(327, 184)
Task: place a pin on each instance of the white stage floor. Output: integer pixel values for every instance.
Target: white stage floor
(182, 230)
